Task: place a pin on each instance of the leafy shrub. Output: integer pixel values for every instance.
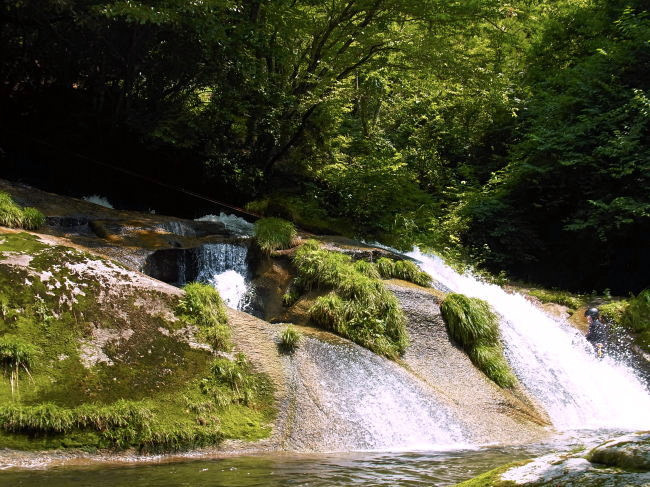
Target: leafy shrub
(274, 234)
(290, 339)
(12, 215)
(472, 325)
(403, 269)
(358, 307)
(203, 307)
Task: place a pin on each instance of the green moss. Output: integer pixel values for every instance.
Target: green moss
(274, 234)
(571, 301)
(472, 325)
(12, 215)
(492, 478)
(24, 243)
(358, 307)
(613, 312)
(136, 397)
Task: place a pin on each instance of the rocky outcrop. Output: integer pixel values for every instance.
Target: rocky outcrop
(620, 462)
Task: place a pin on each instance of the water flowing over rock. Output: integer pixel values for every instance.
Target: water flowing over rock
(554, 361)
(225, 266)
(235, 224)
(345, 398)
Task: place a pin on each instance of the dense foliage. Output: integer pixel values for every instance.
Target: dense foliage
(505, 133)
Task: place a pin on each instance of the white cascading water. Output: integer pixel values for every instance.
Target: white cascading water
(356, 400)
(224, 266)
(554, 361)
(236, 225)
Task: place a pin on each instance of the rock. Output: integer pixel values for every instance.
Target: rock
(620, 462)
(629, 452)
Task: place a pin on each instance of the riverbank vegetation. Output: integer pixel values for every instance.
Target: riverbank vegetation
(472, 324)
(497, 133)
(79, 375)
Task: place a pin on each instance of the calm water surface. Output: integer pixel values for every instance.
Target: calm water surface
(404, 469)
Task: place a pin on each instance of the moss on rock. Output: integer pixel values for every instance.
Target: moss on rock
(120, 360)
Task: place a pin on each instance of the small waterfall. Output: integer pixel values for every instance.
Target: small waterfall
(350, 399)
(225, 266)
(236, 225)
(177, 228)
(554, 361)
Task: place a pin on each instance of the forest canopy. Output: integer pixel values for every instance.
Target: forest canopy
(513, 135)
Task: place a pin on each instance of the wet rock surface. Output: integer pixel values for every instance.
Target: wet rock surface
(506, 416)
(622, 461)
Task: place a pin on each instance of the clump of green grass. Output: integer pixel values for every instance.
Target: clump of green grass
(564, 298)
(358, 307)
(274, 234)
(403, 269)
(613, 312)
(16, 355)
(203, 307)
(290, 339)
(472, 325)
(12, 215)
(233, 381)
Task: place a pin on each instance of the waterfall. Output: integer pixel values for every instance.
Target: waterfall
(350, 399)
(554, 361)
(225, 266)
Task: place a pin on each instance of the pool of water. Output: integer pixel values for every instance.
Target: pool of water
(315, 470)
(372, 469)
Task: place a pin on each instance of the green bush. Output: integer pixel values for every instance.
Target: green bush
(358, 307)
(203, 307)
(472, 325)
(403, 269)
(289, 339)
(274, 234)
(12, 215)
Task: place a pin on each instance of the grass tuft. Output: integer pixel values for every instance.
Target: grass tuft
(203, 307)
(12, 215)
(290, 339)
(358, 306)
(368, 269)
(472, 325)
(274, 234)
(403, 269)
